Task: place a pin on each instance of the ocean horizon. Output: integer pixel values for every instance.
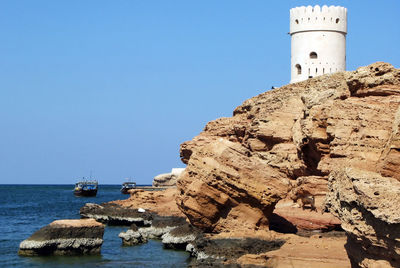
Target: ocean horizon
(25, 209)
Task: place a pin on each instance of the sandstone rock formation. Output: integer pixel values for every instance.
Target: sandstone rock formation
(161, 202)
(368, 206)
(65, 237)
(238, 168)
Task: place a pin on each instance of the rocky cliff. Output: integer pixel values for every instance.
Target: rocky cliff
(368, 206)
(279, 142)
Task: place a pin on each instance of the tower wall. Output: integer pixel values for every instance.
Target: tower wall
(318, 41)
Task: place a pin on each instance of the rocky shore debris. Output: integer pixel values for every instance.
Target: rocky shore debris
(180, 237)
(114, 214)
(132, 236)
(221, 252)
(368, 206)
(161, 228)
(65, 237)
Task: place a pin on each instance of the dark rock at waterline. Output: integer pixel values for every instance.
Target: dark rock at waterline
(164, 221)
(113, 214)
(65, 237)
(133, 227)
(224, 252)
(160, 226)
(132, 237)
(179, 237)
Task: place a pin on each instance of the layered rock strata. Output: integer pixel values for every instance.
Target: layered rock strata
(113, 214)
(65, 237)
(368, 206)
(239, 168)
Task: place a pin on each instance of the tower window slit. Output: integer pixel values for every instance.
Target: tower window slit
(298, 67)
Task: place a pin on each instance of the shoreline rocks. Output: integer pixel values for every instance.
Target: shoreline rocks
(160, 202)
(220, 252)
(180, 237)
(65, 237)
(174, 232)
(132, 237)
(113, 214)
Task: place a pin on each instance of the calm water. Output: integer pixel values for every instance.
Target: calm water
(25, 209)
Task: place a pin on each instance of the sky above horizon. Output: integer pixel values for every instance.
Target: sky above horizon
(114, 87)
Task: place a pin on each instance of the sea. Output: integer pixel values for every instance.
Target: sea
(25, 209)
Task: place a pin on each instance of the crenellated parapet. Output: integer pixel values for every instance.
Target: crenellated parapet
(332, 18)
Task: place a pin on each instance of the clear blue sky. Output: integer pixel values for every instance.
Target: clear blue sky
(116, 86)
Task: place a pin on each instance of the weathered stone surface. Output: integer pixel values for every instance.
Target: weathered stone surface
(368, 206)
(160, 226)
(113, 214)
(132, 237)
(179, 237)
(238, 168)
(289, 218)
(314, 252)
(226, 252)
(161, 202)
(65, 237)
(222, 184)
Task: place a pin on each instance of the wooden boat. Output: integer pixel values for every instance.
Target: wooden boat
(126, 186)
(86, 188)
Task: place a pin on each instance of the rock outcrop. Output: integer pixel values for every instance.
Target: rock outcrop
(179, 237)
(132, 236)
(114, 214)
(160, 202)
(65, 237)
(226, 252)
(368, 206)
(282, 141)
(160, 226)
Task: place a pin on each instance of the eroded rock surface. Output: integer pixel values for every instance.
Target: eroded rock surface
(226, 252)
(161, 202)
(240, 167)
(160, 226)
(114, 214)
(65, 237)
(368, 206)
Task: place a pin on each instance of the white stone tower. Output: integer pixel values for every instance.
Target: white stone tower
(318, 41)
